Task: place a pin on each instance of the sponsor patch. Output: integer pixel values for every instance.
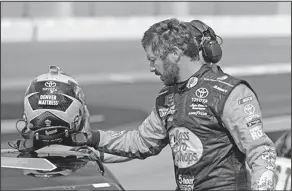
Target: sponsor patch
(48, 123)
(244, 100)
(265, 182)
(251, 117)
(165, 111)
(256, 132)
(169, 100)
(50, 86)
(202, 93)
(254, 122)
(249, 109)
(199, 100)
(198, 106)
(192, 82)
(48, 100)
(220, 89)
(186, 147)
(47, 132)
(270, 156)
(198, 113)
(186, 182)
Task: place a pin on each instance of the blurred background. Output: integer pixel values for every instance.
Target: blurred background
(125, 9)
(99, 44)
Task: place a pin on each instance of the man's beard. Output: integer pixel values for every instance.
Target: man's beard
(170, 74)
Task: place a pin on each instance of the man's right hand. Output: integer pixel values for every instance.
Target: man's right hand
(87, 136)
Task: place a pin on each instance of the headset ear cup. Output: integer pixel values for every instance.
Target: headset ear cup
(206, 51)
(205, 54)
(212, 51)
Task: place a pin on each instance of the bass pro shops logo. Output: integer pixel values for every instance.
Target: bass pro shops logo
(186, 147)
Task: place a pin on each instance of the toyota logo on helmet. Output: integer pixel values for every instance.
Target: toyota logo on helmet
(202, 92)
(50, 84)
(249, 109)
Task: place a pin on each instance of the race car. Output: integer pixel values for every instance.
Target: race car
(55, 167)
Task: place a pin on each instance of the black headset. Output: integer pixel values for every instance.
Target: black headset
(207, 40)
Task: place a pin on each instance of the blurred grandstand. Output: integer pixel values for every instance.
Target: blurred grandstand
(257, 45)
(124, 9)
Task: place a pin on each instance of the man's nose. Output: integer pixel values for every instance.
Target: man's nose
(152, 68)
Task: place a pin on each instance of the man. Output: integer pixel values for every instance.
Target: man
(211, 120)
(54, 114)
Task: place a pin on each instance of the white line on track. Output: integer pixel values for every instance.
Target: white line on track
(132, 77)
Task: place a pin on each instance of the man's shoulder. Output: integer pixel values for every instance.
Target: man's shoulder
(222, 84)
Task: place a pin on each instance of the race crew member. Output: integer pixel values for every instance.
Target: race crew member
(54, 113)
(212, 121)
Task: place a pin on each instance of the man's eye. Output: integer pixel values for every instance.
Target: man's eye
(151, 59)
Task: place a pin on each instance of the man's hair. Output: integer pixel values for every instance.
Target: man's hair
(164, 36)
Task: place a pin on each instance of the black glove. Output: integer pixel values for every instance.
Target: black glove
(79, 139)
(23, 145)
(87, 136)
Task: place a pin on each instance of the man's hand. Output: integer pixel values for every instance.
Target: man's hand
(79, 139)
(82, 138)
(23, 145)
(87, 136)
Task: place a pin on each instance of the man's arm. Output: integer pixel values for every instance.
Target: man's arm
(243, 118)
(148, 140)
(109, 158)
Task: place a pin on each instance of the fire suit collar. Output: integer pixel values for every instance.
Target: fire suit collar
(182, 86)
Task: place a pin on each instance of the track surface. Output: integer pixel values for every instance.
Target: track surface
(126, 105)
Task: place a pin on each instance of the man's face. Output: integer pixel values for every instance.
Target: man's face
(167, 68)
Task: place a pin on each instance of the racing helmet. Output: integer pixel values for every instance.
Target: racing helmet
(53, 106)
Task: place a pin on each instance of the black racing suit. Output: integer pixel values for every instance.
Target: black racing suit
(214, 126)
